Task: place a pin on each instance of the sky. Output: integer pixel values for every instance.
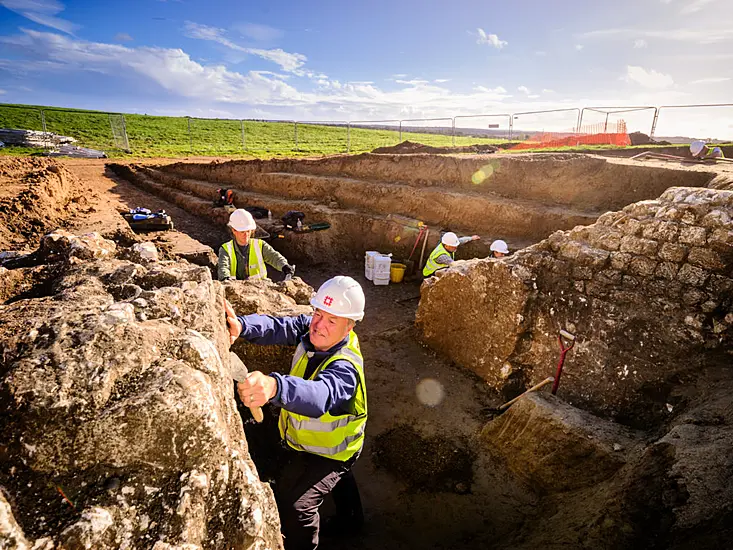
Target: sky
(377, 60)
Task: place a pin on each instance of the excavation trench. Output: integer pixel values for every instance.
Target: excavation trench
(440, 468)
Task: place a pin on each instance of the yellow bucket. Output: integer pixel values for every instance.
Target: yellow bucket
(396, 272)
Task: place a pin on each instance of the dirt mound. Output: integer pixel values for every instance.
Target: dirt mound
(639, 138)
(36, 196)
(408, 147)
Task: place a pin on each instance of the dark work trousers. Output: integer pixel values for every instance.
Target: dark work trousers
(300, 490)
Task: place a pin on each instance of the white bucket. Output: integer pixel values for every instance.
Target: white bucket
(369, 263)
(381, 281)
(381, 266)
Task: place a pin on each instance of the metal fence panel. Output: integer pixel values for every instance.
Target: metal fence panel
(366, 135)
(437, 132)
(478, 129)
(679, 123)
(327, 137)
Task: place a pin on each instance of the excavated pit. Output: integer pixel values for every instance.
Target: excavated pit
(441, 468)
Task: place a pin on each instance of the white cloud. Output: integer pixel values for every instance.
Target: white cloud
(711, 80)
(290, 62)
(694, 6)
(42, 12)
(441, 80)
(579, 47)
(490, 39)
(547, 91)
(523, 89)
(648, 78)
(414, 82)
(640, 43)
(123, 37)
(260, 33)
(400, 75)
(2, 92)
(706, 35)
(499, 90)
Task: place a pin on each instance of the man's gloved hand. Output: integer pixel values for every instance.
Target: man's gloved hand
(289, 271)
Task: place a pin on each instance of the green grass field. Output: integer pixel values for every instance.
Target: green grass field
(155, 136)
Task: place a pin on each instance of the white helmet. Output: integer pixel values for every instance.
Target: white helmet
(241, 220)
(696, 147)
(499, 246)
(450, 239)
(341, 296)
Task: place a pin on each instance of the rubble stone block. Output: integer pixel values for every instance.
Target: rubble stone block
(540, 435)
(707, 259)
(672, 252)
(721, 235)
(693, 297)
(720, 285)
(693, 235)
(667, 270)
(609, 277)
(642, 266)
(716, 219)
(642, 247)
(691, 275)
(620, 260)
(661, 230)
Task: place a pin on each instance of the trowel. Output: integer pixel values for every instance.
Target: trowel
(240, 373)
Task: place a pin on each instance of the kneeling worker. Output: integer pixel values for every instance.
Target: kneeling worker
(443, 255)
(700, 150)
(323, 405)
(244, 257)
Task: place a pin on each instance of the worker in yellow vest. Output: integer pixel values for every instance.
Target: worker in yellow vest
(444, 254)
(244, 257)
(323, 406)
(700, 150)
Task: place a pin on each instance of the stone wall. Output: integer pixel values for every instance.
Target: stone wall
(646, 290)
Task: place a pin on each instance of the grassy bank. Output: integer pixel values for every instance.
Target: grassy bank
(155, 136)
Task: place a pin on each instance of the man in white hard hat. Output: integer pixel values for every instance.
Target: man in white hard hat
(443, 255)
(700, 150)
(499, 249)
(244, 257)
(323, 405)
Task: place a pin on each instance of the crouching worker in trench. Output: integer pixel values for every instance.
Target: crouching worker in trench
(244, 257)
(444, 254)
(323, 407)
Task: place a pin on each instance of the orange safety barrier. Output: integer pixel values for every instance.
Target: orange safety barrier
(595, 134)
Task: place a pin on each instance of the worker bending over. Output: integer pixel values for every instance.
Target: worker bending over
(443, 255)
(700, 150)
(323, 405)
(499, 249)
(244, 257)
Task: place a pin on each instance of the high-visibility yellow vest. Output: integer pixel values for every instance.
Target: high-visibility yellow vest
(432, 265)
(714, 152)
(255, 266)
(335, 437)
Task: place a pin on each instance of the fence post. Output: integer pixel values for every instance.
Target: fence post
(244, 142)
(654, 122)
(453, 131)
(400, 140)
(348, 137)
(511, 126)
(124, 131)
(190, 141)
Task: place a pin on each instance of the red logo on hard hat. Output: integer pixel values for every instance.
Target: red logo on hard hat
(328, 301)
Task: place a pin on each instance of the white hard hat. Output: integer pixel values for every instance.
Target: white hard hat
(499, 246)
(696, 147)
(341, 296)
(241, 220)
(450, 239)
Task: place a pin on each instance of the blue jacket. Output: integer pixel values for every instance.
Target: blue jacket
(328, 391)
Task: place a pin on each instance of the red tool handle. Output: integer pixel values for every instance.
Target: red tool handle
(563, 351)
(422, 229)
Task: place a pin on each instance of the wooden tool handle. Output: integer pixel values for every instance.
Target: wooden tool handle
(533, 388)
(257, 413)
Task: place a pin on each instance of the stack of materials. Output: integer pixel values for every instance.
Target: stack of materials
(33, 138)
(377, 266)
